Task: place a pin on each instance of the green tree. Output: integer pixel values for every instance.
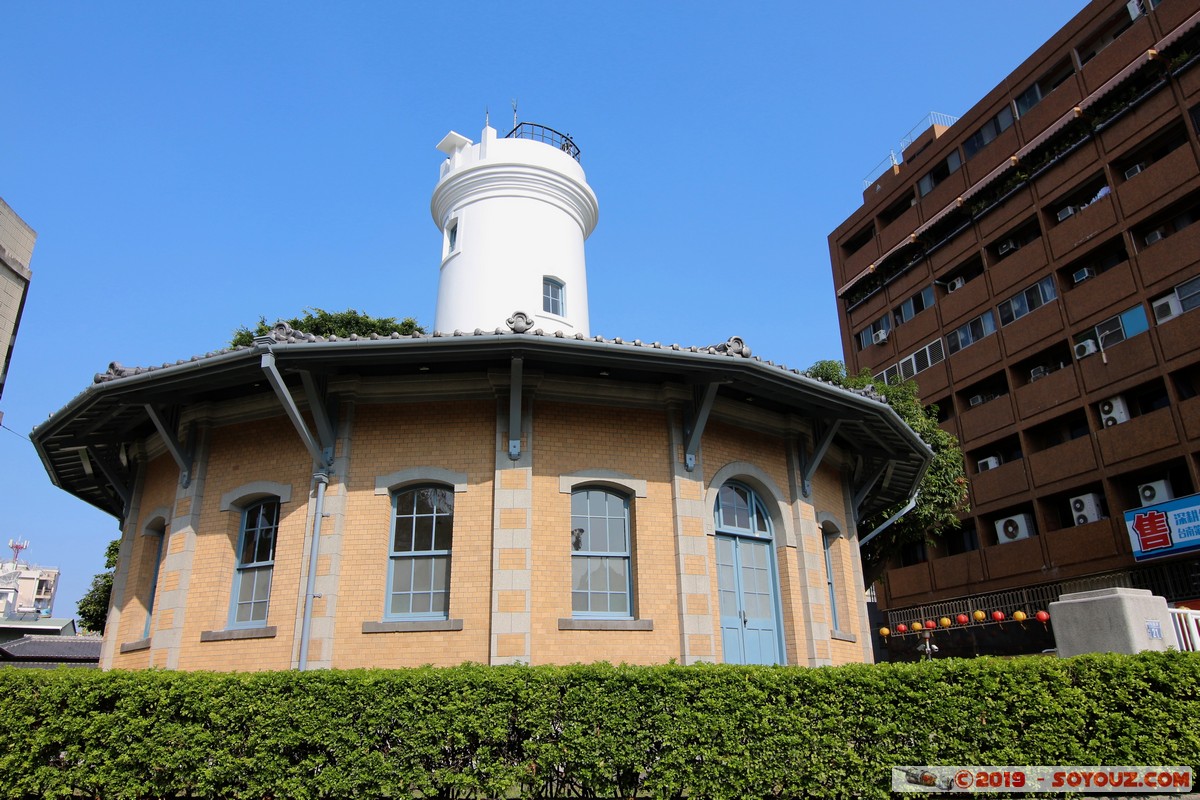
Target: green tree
(943, 490)
(320, 322)
(93, 606)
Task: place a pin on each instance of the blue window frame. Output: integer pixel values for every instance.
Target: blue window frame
(419, 568)
(255, 565)
(746, 582)
(601, 578)
(828, 542)
(160, 535)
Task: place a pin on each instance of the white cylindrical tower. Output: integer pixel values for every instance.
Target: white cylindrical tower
(514, 213)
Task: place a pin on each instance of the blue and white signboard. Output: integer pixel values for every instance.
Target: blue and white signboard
(1164, 529)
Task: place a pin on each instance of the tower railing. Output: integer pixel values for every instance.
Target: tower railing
(541, 133)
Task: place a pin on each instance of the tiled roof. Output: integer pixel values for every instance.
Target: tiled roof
(52, 650)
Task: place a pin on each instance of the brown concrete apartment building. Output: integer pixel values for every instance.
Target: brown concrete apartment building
(1033, 266)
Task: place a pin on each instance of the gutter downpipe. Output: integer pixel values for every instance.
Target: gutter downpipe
(322, 480)
(887, 523)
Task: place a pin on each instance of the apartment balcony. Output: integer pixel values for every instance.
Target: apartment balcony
(944, 193)
(917, 332)
(993, 154)
(999, 483)
(970, 361)
(1137, 437)
(1035, 328)
(1081, 543)
(1162, 182)
(1055, 389)
(868, 310)
(962, 302)
(909, 581)
(1100, 292)
(1014, 558)
(899, 229)
(1138, 121)
(963, 569)
(1051, 108)
(1074, 169)
(859, 260)
(1085, 224)
(1177, 338)
(1019, 266)
(981, 420)
(1108, 62)
(954, 251)
(1125, 360)
(1172, 15)
(1168, 257)
(1189, 413)
(933, 381)
(1002, 218)
(1063, 461)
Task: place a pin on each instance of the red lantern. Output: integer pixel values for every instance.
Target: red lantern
(901, 628)
(998, 616)
(1042, 617)
(962, 619)
(930, 624)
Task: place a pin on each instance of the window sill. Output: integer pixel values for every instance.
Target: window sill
(843, 637)
(133, 647)
(233, 634)
(572, 624)
(413, 625)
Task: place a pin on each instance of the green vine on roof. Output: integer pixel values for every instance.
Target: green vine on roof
(320, 322)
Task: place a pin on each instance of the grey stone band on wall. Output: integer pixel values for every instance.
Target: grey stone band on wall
(413, 625)
(238, 633)
(572, 624)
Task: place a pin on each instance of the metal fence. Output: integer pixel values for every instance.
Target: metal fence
(541, 133)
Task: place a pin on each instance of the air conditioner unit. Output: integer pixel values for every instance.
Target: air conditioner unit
(1167, 307)
(976, 400)
(1154, 236)
(1086, 348)
(954, 284)
(1007, 246)
(1132, 171)
(1010, 529)
(1087, 508)
(1038, 372)
(1155, 492)
(991, 462)
(879, 337)
(1066, 213)
(1082, 274)
(1113, 411)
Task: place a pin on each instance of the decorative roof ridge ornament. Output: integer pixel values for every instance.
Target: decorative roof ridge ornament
(519, 322)
(736, 346)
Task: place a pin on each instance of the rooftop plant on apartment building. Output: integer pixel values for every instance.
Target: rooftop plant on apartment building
(943, 490)
(320, 322)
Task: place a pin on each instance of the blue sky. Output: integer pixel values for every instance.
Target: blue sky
(191, 166)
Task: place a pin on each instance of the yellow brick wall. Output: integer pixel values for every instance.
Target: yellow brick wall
(265, 450)
(158, 491)
(571, 438)
(459, 437)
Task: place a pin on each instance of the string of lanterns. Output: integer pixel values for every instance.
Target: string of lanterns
(977, 616)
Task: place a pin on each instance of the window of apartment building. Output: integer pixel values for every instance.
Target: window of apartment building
(912, 553)
(984, 391)
(601, 574)
(988, 132)
(1051, 80)
(1183, 297)
(876, 332)
(914, 305)
(1108, 33)
(255, 565)
(894, 211)
(918, 361)
(971, 332)
(962, 539)
(1112, 331)
(419, 559)
(553, 296)
(1028, 300)
(961, 275)
(939, 173)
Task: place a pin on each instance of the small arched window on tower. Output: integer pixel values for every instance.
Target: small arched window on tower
(554, 297)
(451, 244)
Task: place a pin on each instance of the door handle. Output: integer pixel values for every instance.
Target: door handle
(743, 613)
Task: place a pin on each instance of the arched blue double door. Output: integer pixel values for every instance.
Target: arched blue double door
(746, 582)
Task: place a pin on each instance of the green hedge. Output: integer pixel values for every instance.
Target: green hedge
(596, 730)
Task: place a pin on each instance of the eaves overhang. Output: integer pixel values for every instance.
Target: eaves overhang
(101, 423)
